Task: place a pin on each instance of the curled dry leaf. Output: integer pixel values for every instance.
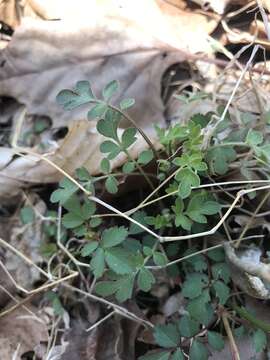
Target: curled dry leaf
(21, 331)
(248, 272)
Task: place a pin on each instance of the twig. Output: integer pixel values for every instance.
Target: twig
(101, 321)
(254, 51)
(239, 11)
(265, 18)
(252, 319)
(18, 303)
(16, 306)
(250, 220)
(16, 353)
(217, 226)
(162, 239)
(203, 251)
(31, 293)
(20, 150)
(234, 349)
(23, 257)
(157, 189)
(146, 138)
(121, 310)
(18, 127)
(212, 231)
(203, 186)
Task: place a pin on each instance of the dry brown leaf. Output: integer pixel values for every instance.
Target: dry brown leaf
(54, 55)
(21, 331)
(79, 148)
(115, 42)
(248, 272)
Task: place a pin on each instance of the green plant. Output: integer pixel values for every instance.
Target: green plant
(123, 258)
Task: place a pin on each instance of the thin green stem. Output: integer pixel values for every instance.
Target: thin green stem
(146, 138)
(139, 168)
(145, 203)
(251, 318)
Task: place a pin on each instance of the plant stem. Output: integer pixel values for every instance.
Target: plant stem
(146, 138)
(139, 168)
(145, 201)
(250, 220)
(224, 113)
(251, 318)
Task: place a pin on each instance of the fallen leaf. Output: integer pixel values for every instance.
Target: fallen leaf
(21, 331)
(249, 273)
(55, 55)
(79, 148)
(136, 54)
